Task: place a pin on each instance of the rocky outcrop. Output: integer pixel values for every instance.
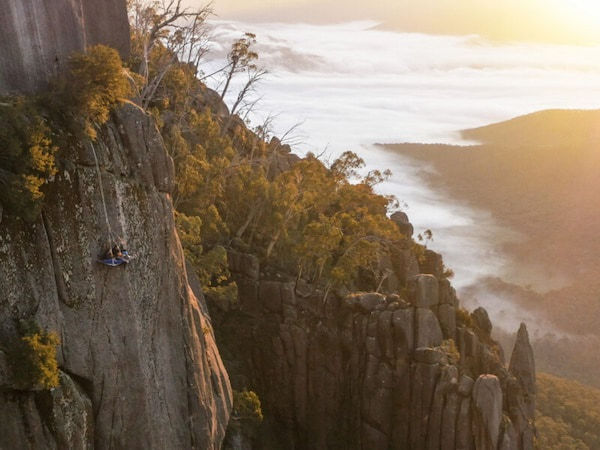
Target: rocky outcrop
(372, 371)
(140, 368)
(522, 400)
(487, 412)
(37, 37)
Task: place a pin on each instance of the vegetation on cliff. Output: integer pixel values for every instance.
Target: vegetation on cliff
(306, 219)
(35, 129)
(32, 358)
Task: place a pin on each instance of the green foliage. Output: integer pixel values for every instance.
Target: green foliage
(95, 84)
(211, 265)
(247, 408)
(32, 359)
(33, 128)
(309, 220)
(568, 416)
(463, 317)
(27, 157)
(449, 348)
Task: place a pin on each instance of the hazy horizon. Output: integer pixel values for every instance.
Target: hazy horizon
(551, 21)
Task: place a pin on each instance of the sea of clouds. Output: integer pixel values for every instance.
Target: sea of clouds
(352, 85)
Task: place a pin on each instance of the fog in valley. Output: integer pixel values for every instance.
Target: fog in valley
(350, 85)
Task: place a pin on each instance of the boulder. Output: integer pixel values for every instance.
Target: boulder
(404, 226)
(449, 418)
(424, 380)
(464, 426)
(423, 291)
(446, 315)
(447, 293)
(482, 321)
(244, 264)
(465, 385)
(71, 416)
(446, 384)
(432, 263)
(403, 324)
(365, 303)
(269, 296)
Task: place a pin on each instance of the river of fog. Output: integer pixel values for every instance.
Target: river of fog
(351, 85)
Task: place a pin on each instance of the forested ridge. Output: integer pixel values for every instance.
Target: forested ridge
(568, 414)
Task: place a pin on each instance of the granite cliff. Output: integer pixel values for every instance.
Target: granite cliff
(37, 37)
(374, 371)
(139, 366)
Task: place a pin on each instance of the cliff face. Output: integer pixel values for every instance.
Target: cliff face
(370, 371)
(37, 36)
(139, 365)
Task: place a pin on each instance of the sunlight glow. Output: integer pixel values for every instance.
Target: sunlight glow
(583, 16)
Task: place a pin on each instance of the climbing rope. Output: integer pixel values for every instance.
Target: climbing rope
(111, 234)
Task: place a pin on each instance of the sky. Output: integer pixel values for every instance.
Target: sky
(555, 21)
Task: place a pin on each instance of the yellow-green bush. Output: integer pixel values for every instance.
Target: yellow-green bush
(33, 359)
(97, 82)
(27, 157)
(246, 407)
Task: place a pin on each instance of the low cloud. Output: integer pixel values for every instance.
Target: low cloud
(352, 85)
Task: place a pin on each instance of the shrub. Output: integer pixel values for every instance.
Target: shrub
(449, 348)
(464, 318)
(247, 408)
(33, 359)
(27, 157)
(95, 84)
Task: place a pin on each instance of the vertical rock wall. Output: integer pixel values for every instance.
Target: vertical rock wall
(37, 36)
(372, 371)
(137, 344)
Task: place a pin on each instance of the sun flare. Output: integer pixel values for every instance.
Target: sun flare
(581, 13)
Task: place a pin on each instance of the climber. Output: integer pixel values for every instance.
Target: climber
(115, 255)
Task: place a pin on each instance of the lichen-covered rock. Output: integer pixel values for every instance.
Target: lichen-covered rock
(136, 338)
(37, 37)
(69, 414)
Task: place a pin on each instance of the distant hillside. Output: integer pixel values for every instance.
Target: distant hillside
(567, 414)
(540, 175)
(549, 128)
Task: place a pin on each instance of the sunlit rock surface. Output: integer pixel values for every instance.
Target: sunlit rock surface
(136, 340)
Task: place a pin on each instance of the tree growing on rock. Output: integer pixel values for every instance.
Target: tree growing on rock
(165, 34)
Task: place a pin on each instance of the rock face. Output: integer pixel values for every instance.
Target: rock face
(37, 36)
(372, 371)
(139, 364)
